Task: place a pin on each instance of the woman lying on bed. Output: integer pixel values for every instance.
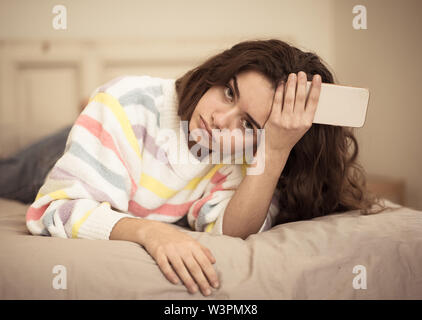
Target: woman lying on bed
(129, 170)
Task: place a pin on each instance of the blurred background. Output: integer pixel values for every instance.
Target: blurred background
(46, 73)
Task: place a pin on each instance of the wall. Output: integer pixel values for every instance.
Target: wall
(300, 20)
(162, 38)
(386, 57)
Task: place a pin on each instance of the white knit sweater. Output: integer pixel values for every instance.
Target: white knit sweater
(116, 165)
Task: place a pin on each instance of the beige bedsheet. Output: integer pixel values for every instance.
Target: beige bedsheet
(300, 260)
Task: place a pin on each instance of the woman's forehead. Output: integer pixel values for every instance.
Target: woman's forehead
(256, 94)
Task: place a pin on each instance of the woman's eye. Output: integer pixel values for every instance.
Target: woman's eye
(246, 124)
(228, 93)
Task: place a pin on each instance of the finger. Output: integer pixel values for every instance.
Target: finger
(207, 268)
(278, 101)
(209, 254)
(177, 263)
(166, 269)
(289, 95)
(301, 92)
(196, 272)
(313, 98)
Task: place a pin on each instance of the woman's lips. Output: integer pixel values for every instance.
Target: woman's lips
(205, 126)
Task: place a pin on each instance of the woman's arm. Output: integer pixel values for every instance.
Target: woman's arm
(130, 229)
(253, 196)
(177, 254)
(288, 122)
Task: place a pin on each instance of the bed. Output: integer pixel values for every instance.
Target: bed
(340, 256)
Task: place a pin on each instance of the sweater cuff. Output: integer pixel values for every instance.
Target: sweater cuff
(218, 226)
(100, 222)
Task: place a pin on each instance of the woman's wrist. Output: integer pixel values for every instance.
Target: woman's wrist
(131, 229)
(275, 161)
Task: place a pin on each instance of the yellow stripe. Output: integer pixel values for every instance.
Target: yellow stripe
(195, 181)
(156, 186)
(212, 171)
(164, 192)
(78, 224)
(59, 194)
(114, 105)
(192, 184)
(210, 226)
(39, 195)
(244, 166)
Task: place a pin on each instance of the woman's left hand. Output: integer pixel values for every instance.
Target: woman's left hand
(290, 120)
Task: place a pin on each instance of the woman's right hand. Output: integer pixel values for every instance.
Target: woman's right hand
(292, 113)
(180, 256)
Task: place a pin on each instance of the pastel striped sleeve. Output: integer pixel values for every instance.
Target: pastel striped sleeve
(207, 213)
(88, 190)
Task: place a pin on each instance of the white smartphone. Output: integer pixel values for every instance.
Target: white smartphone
(341, 105)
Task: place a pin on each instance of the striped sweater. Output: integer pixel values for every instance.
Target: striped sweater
(117, 165)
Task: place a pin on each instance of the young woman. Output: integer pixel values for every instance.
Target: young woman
(123, 176)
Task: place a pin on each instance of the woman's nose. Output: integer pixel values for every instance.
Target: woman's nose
(224, 119)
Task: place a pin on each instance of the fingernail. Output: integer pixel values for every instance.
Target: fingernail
(215, 284)
(208, 291)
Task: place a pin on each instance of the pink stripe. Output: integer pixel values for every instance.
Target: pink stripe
(173, 210)
(36, 213)
(200, 203)
(98, 131)
(219, 187)
(217, 177)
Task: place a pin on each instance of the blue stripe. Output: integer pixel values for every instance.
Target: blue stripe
(139, 96)
(45, 232)
(113, 178)
(156, 91)
(203, 213)
(47, 219)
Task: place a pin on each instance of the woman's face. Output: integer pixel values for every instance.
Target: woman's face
(244, 103)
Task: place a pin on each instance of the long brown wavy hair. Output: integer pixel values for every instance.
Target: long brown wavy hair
(321, 175)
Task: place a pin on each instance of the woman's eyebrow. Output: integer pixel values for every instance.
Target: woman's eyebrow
(236, 88)
(253, 121)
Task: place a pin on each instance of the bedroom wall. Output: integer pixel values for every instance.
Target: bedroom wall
(106, 38)
(168, 19)
(386, 57)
